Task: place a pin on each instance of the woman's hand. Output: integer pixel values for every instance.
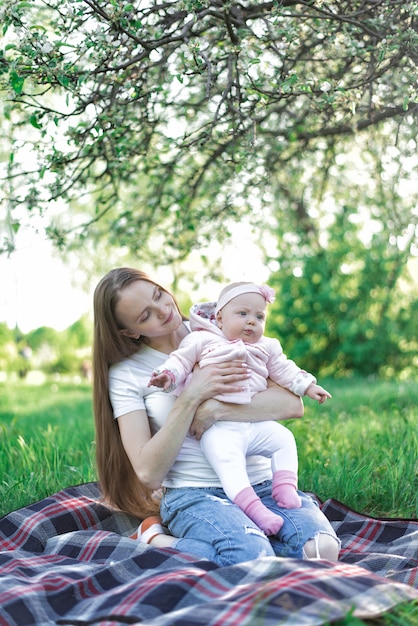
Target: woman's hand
(216, 379)
(206, 415)
(208, 382)
(275, 403)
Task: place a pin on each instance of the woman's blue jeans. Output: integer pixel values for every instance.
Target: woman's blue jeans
(210, 526)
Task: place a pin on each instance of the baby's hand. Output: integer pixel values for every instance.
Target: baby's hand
(160, 380)
(316, 392)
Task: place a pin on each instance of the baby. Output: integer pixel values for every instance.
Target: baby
(233, 328)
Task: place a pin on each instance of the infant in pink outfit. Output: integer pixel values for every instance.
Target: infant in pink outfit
(233, 328)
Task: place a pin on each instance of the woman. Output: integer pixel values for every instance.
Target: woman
(147, 439)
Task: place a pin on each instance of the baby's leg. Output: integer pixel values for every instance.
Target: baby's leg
(284, 489)
(250, 503)
(276, 441)
(285, 473)
(225, 448)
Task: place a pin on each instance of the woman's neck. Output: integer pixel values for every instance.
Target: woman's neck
(168, 343)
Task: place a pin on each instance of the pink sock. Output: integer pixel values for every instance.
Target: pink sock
(250, 503)
(285, 489)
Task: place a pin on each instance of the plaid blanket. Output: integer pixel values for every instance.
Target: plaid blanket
(68, 560)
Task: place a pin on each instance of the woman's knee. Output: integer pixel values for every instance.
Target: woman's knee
(322, 546)
(253, 545)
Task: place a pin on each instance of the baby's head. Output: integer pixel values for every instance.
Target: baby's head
(241, 310)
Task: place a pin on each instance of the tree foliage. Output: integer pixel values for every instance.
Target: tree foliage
(342, 260)
(150, 127)
(341, 308)
(152, 124)
(47, 350)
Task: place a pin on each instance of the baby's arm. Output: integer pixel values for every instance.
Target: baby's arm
(316, 392)
(284, 371)
(177, 367)
(164, 379)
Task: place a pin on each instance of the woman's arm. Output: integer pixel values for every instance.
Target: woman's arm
(275, 403)
(152, 456)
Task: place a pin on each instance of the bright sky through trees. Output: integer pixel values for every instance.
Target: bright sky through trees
(38, 289)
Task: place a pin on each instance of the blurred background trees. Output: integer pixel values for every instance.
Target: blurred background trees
(46, 352)
(145, 131)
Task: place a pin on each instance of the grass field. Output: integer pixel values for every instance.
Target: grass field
(46, 441)
(361, 448)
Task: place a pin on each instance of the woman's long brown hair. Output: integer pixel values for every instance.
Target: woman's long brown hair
(119, 482)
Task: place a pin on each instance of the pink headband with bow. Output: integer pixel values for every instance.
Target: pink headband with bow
(264, 290)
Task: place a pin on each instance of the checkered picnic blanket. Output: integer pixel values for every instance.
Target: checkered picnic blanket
(68, 560)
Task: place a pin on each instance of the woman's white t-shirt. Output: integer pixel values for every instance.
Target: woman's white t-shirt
(128, 390)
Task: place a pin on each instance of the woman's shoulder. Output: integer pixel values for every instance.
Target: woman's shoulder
(142, 360)
(128, 383)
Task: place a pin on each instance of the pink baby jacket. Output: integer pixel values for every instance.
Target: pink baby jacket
(207, 345)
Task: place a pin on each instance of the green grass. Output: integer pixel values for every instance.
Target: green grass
(361, 448)
(46, 441)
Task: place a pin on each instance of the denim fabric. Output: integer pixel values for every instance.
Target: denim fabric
(211, 526)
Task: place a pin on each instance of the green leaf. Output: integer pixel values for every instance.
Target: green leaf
(63, 80)
(34, 121)
(16, 82)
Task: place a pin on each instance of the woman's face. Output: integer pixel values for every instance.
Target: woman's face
(144, 309)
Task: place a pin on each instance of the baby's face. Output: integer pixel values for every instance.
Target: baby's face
(244, 317)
